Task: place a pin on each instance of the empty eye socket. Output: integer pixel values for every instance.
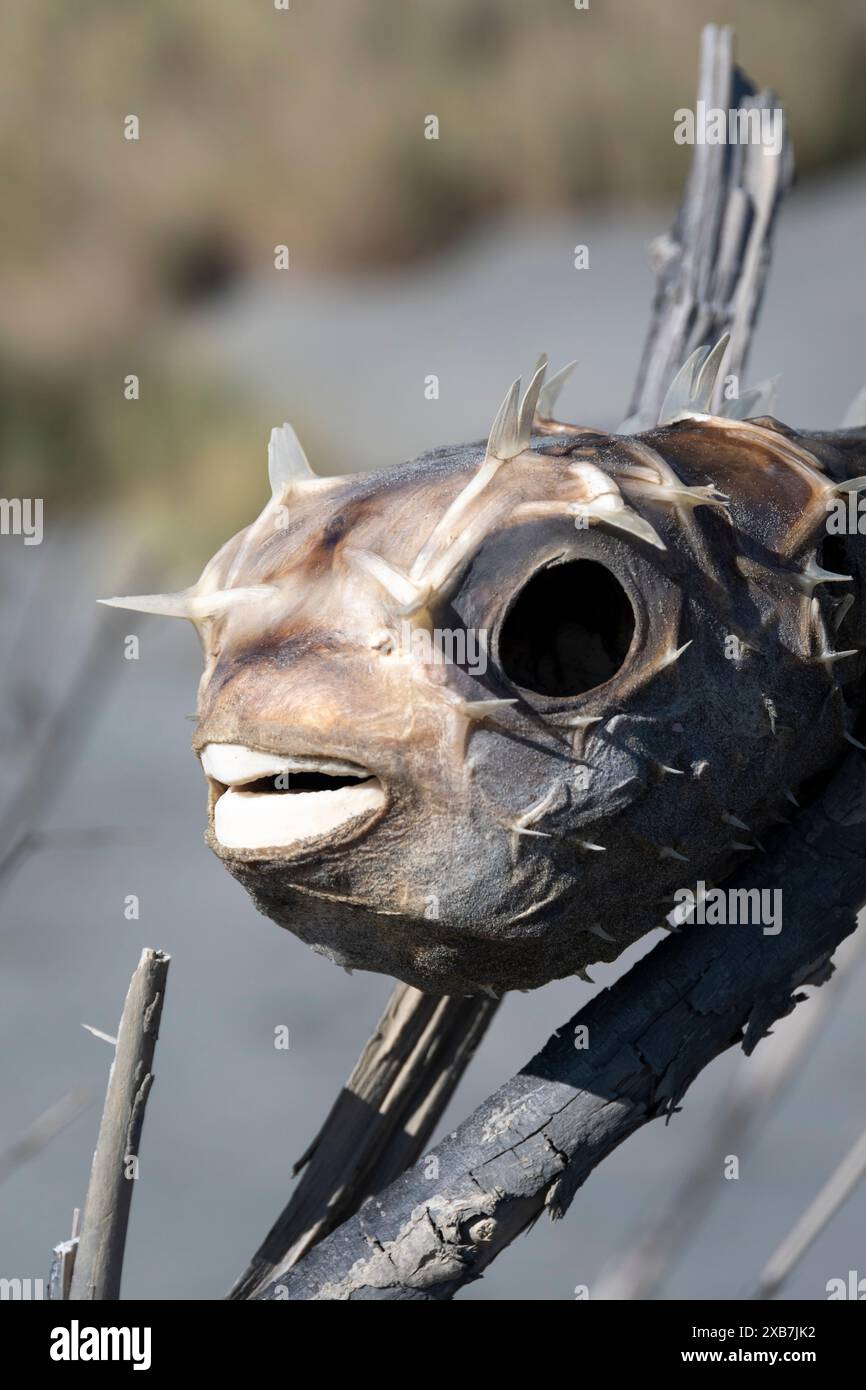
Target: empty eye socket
(569, 630)
(833, 555)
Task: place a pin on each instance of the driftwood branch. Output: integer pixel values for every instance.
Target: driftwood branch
(99, 1258)
(379, 1123)
(712, 266)
(533, 1143)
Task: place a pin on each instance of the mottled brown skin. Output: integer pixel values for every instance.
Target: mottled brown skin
(680, 745)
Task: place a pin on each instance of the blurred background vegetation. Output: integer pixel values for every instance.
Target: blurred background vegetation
(260, 127)
(305, 127)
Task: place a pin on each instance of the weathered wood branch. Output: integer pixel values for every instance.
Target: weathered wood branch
(379, 1123)
(536, 1141)
(99, 1258)
(711, 268)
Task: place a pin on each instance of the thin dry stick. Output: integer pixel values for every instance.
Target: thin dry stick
(43, 1130)
(758, 1085)
(99, 1261)
(63, 1263)
(379, 1123)
(60, 740)
(832, 1196)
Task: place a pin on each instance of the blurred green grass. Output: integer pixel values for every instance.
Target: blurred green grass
(306, 127)
(181, 465)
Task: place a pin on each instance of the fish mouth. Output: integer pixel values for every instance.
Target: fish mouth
(270, 801)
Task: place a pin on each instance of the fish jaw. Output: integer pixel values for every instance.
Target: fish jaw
(264, 802)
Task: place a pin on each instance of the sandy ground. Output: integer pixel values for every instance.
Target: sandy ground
(228, 1113)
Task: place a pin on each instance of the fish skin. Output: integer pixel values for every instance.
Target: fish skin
(486, 816)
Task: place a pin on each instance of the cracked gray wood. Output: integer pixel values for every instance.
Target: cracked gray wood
(99, 1257)
(711, 268)
(532, 1144)
(379, 1123)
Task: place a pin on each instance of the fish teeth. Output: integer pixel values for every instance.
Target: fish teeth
(233, 764)
(245, 818)
(262, 820)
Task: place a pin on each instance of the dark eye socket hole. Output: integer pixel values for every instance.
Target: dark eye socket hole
(569, 630)
(833, 555)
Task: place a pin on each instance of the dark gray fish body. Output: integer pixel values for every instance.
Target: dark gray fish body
(472, 721)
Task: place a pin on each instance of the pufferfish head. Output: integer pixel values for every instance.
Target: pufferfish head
(473, 720)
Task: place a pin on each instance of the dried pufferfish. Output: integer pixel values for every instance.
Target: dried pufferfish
(673, 646)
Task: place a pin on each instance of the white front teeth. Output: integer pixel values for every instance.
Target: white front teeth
(252, 819)
(271, 820)
(233, 764)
